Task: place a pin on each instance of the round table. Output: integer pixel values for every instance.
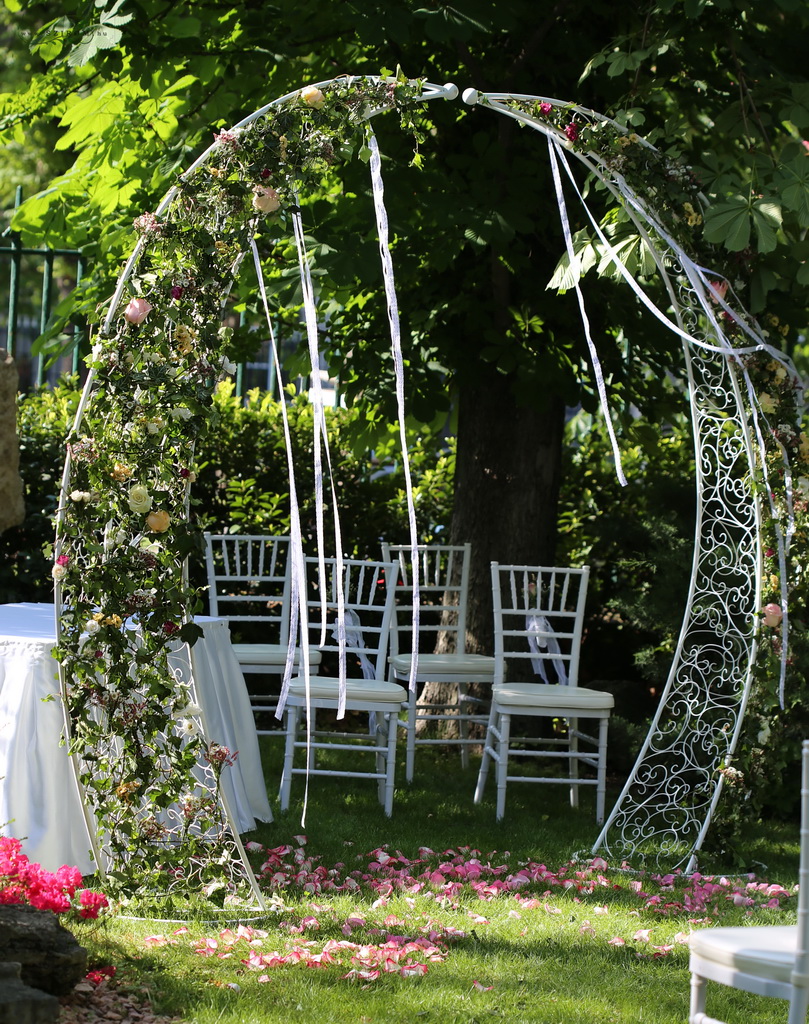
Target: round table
(39, 796)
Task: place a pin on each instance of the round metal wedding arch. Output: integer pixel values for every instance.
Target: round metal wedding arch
(156, 359)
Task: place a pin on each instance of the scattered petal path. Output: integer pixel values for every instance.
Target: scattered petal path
(377, 943)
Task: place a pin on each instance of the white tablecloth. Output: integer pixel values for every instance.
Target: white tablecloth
(39, 797)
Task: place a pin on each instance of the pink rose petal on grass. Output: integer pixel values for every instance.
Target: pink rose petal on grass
(361, 976)
(481, 987)
(413, 971)
(661, 951)
(616, 940)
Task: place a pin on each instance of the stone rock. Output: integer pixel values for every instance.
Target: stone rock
(12, 504)
(20, 1004)
(49, 955)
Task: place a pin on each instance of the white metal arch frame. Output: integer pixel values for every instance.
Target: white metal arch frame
(162, 819)
(670, 797)
(667, 803)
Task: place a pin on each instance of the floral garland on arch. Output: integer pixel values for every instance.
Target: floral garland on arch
(150, 772)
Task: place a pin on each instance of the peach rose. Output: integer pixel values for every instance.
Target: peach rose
(158, 521)
(312, 96)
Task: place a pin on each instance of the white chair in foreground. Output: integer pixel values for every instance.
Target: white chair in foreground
(368, 595)
(443, 573)
(538, 621)
(770, 960)
(249, 584)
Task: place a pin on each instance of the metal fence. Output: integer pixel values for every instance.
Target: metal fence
(34, 280)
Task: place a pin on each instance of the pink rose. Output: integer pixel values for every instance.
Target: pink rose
(266, 200)
(717, 290)
(137, 311)
(772, 615)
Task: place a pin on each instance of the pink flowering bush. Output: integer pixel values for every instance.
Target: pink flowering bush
(21, 881)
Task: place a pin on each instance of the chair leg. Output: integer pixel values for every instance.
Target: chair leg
(410, 756)
(483, 772)
(390, 766)
(502, 764)
(380, 733)
(463, 727)
(601, 785)
(696, 1011)
(573, 749)
(291, 720)
(798, 1006)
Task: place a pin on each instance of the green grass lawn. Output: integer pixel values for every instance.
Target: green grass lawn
(449, 935)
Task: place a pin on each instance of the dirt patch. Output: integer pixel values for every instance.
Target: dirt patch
(106, 1004)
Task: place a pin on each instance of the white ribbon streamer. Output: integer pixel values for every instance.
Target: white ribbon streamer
(398, 365)
(298, 609)
(599, 376)
(321, 444)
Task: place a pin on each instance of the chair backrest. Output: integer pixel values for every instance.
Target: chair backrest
(368, 593)
(538, 621)
(248, 580)
(443, 578)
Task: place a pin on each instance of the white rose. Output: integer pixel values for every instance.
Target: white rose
(139, 498)
(91, 626)
(188, 711)
(180, 412)
(59, 572)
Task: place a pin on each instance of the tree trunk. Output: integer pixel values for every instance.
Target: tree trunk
(506, 495)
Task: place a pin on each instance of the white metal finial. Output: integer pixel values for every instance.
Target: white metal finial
(470, 96)
(450, 91)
